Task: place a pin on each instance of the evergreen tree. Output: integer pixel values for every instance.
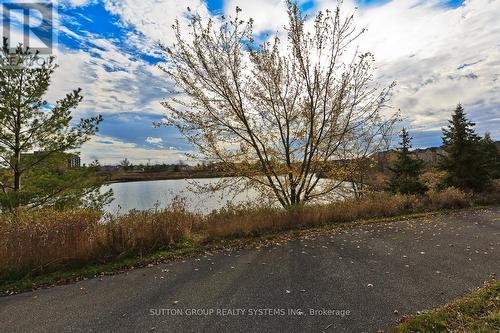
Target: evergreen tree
(126, 165)
(28, 124)
(491, 156)
(463, 160)
(406, 169)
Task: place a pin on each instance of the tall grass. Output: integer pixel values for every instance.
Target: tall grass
(252, 221)
(146, 231)
(35, 242)
(40, 241)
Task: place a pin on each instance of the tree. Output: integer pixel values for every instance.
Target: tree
(56, 183)
(491, 154)
(406, 169)
(463, 159)
(360, 152)
(279, 113)
(28, 123)
(126, 165)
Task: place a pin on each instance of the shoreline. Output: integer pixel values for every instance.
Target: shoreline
(144, 177)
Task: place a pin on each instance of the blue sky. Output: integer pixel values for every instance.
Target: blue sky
(440, 52)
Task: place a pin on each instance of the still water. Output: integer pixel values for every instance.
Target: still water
(161, 193)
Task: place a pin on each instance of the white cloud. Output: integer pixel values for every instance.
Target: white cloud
(154, 18)
(440, 56)
(111, 80)
(154, 141)
(268, 15)
(423, 45)
(111, 151)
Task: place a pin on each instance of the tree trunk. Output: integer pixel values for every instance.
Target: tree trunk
(17, 172)
(17, 181)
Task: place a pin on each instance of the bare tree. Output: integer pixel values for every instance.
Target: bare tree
(279, 112)
(360, 152)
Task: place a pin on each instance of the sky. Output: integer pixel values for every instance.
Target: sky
(440, 53)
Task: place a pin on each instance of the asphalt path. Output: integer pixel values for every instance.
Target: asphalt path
(357, 280)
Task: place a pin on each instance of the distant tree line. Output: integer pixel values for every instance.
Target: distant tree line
(126, 165)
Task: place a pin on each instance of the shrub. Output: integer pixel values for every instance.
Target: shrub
(432, 178)
(491, 197)
(449, 198)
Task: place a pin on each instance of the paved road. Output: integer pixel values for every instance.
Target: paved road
(361, 275)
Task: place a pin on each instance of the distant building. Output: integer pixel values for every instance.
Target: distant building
(63, 159)
(75, 161)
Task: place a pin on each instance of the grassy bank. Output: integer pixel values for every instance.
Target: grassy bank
(46, 247)
(477, 312)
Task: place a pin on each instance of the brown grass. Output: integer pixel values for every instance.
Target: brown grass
(44, 238)
(255, 221)
(34, 242)
(447, 199)
(143, 231)
(37, 242)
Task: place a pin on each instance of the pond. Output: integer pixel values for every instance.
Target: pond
(160, 193)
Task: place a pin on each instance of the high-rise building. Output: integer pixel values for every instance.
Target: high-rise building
(75, 161)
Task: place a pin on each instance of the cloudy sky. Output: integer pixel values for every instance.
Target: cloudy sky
(440, 53)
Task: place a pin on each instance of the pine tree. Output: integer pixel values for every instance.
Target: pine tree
(406, 169)
(28, 123)
(463, 160)
(491, 157)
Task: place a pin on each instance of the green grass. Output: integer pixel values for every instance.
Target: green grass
(187, 248)
(478, 311)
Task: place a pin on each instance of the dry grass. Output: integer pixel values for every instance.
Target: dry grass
(447, 199)
(34, 242)
(41, 241)
(46, 238)
(255, 221)
(145, 231)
